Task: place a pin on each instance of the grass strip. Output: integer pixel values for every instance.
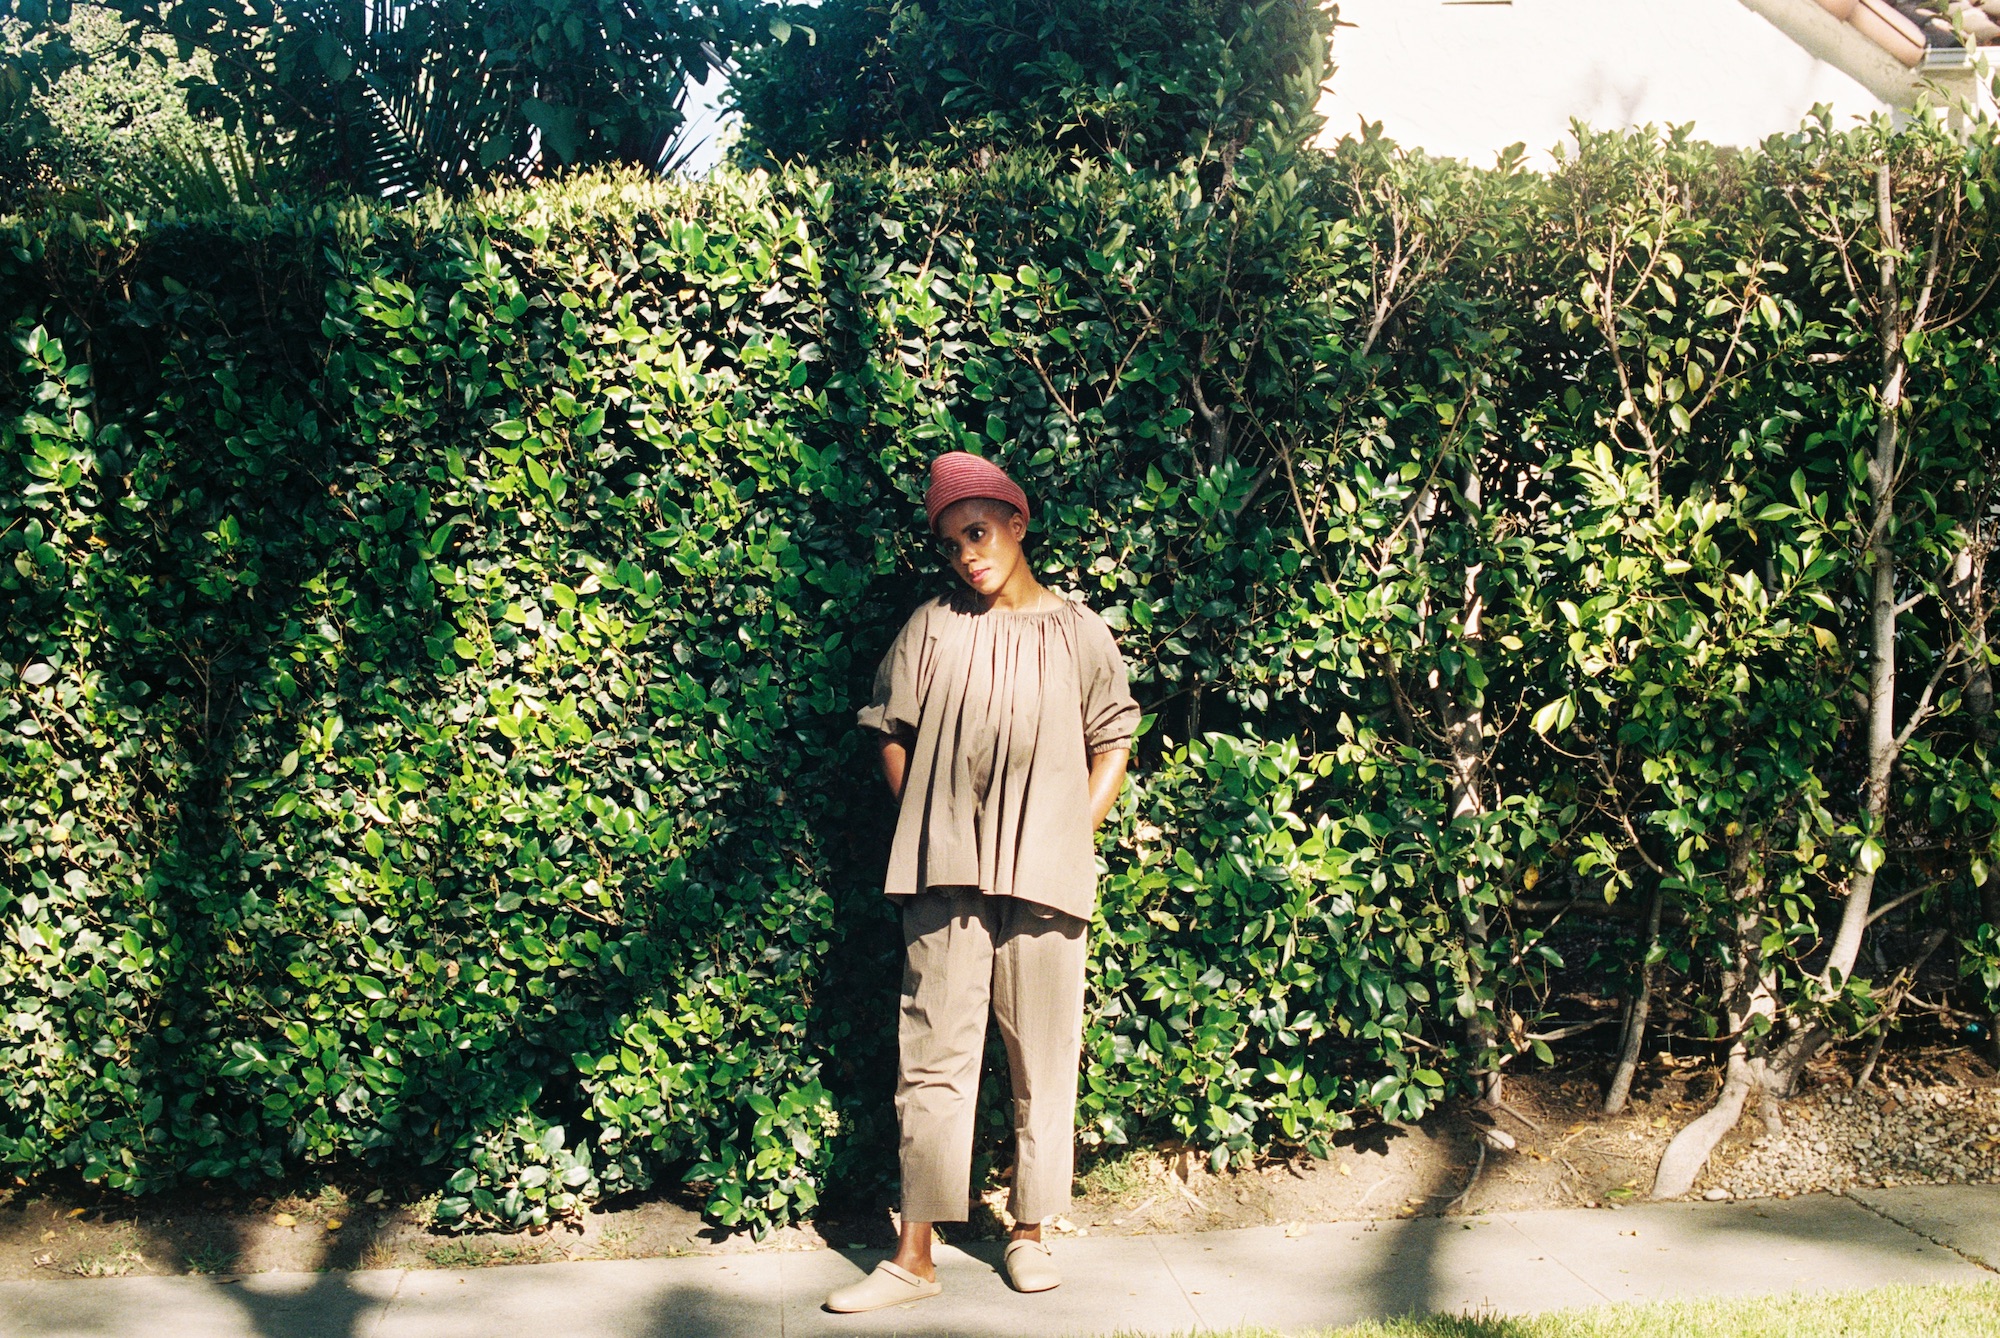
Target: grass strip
(1957, 1311)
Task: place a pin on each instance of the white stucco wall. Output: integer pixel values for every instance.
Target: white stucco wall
(1469, 79)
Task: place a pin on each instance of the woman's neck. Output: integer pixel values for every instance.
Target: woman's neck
(1022, 594)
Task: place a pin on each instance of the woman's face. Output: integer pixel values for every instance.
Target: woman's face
(981, 539)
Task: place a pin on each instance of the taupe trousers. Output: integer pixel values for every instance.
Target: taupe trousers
(963, 951)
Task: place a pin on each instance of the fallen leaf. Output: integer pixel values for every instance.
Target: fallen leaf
(78, 1212)
(374, 1196)
(1344, 1170)
(284, 1220)
(1295, 1229)
(335, 1225)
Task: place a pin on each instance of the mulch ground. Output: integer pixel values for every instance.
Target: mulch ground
(1548, 1148)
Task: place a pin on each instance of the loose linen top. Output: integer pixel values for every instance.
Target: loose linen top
(1002, 710)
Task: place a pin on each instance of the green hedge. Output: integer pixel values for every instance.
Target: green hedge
(432, 638)
(431, 652)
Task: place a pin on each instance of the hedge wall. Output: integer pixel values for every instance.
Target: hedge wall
(431, 643)
(431, 651)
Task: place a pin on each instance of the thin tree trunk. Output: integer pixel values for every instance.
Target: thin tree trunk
(1636, 1014)
(1465, 732)
(1746, 990)
(1899, 990)
(1968, 598)
(1882, 742)
(1689, 1151)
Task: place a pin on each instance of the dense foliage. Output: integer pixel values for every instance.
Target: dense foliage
(431, 641)
(1151, 82)
(391, 98)
(112, 130)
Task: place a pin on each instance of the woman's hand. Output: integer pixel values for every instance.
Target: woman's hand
(1107, 774)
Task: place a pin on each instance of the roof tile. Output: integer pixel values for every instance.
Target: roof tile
(1920, 32)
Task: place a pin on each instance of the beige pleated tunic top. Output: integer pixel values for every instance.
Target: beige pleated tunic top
(1002, 711)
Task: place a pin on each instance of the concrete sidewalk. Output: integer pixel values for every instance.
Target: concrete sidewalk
(1335, 1273)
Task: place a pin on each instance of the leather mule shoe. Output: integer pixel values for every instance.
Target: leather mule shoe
(888, 1285)
(1030, 1266)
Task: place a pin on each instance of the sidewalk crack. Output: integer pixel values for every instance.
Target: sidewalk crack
(1180, 1286)
(394, 1292)
(1554, 1258)
(1921, 1234)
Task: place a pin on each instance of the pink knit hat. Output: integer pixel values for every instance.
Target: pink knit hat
(957, 475)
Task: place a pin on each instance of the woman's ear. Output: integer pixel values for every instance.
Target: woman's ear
(1017, 524)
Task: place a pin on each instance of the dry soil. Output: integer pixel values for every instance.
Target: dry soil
(1931, 1116)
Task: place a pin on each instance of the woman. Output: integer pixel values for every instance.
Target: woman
(1005, 722)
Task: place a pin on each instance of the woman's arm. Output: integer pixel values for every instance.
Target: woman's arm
(895, 764)
(1107, 774)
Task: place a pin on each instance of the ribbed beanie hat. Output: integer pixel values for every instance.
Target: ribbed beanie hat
(957, 475)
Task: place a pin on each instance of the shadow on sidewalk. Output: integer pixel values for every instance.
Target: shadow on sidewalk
(1408, 1283)
(690, 1312)
(1410, 1280)
(331, 1307)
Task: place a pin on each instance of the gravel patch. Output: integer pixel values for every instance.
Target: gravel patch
(1896, 1135)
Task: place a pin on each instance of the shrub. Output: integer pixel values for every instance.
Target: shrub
(432, 638)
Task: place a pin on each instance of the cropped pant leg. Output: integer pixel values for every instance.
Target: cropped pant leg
(963, 953)
(940, 1038)
(1038, 1002)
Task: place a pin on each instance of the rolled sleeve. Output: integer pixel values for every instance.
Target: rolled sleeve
(1110, 715)
(893, 707)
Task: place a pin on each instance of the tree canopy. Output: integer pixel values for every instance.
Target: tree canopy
(1146, 80)
(394, 97)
